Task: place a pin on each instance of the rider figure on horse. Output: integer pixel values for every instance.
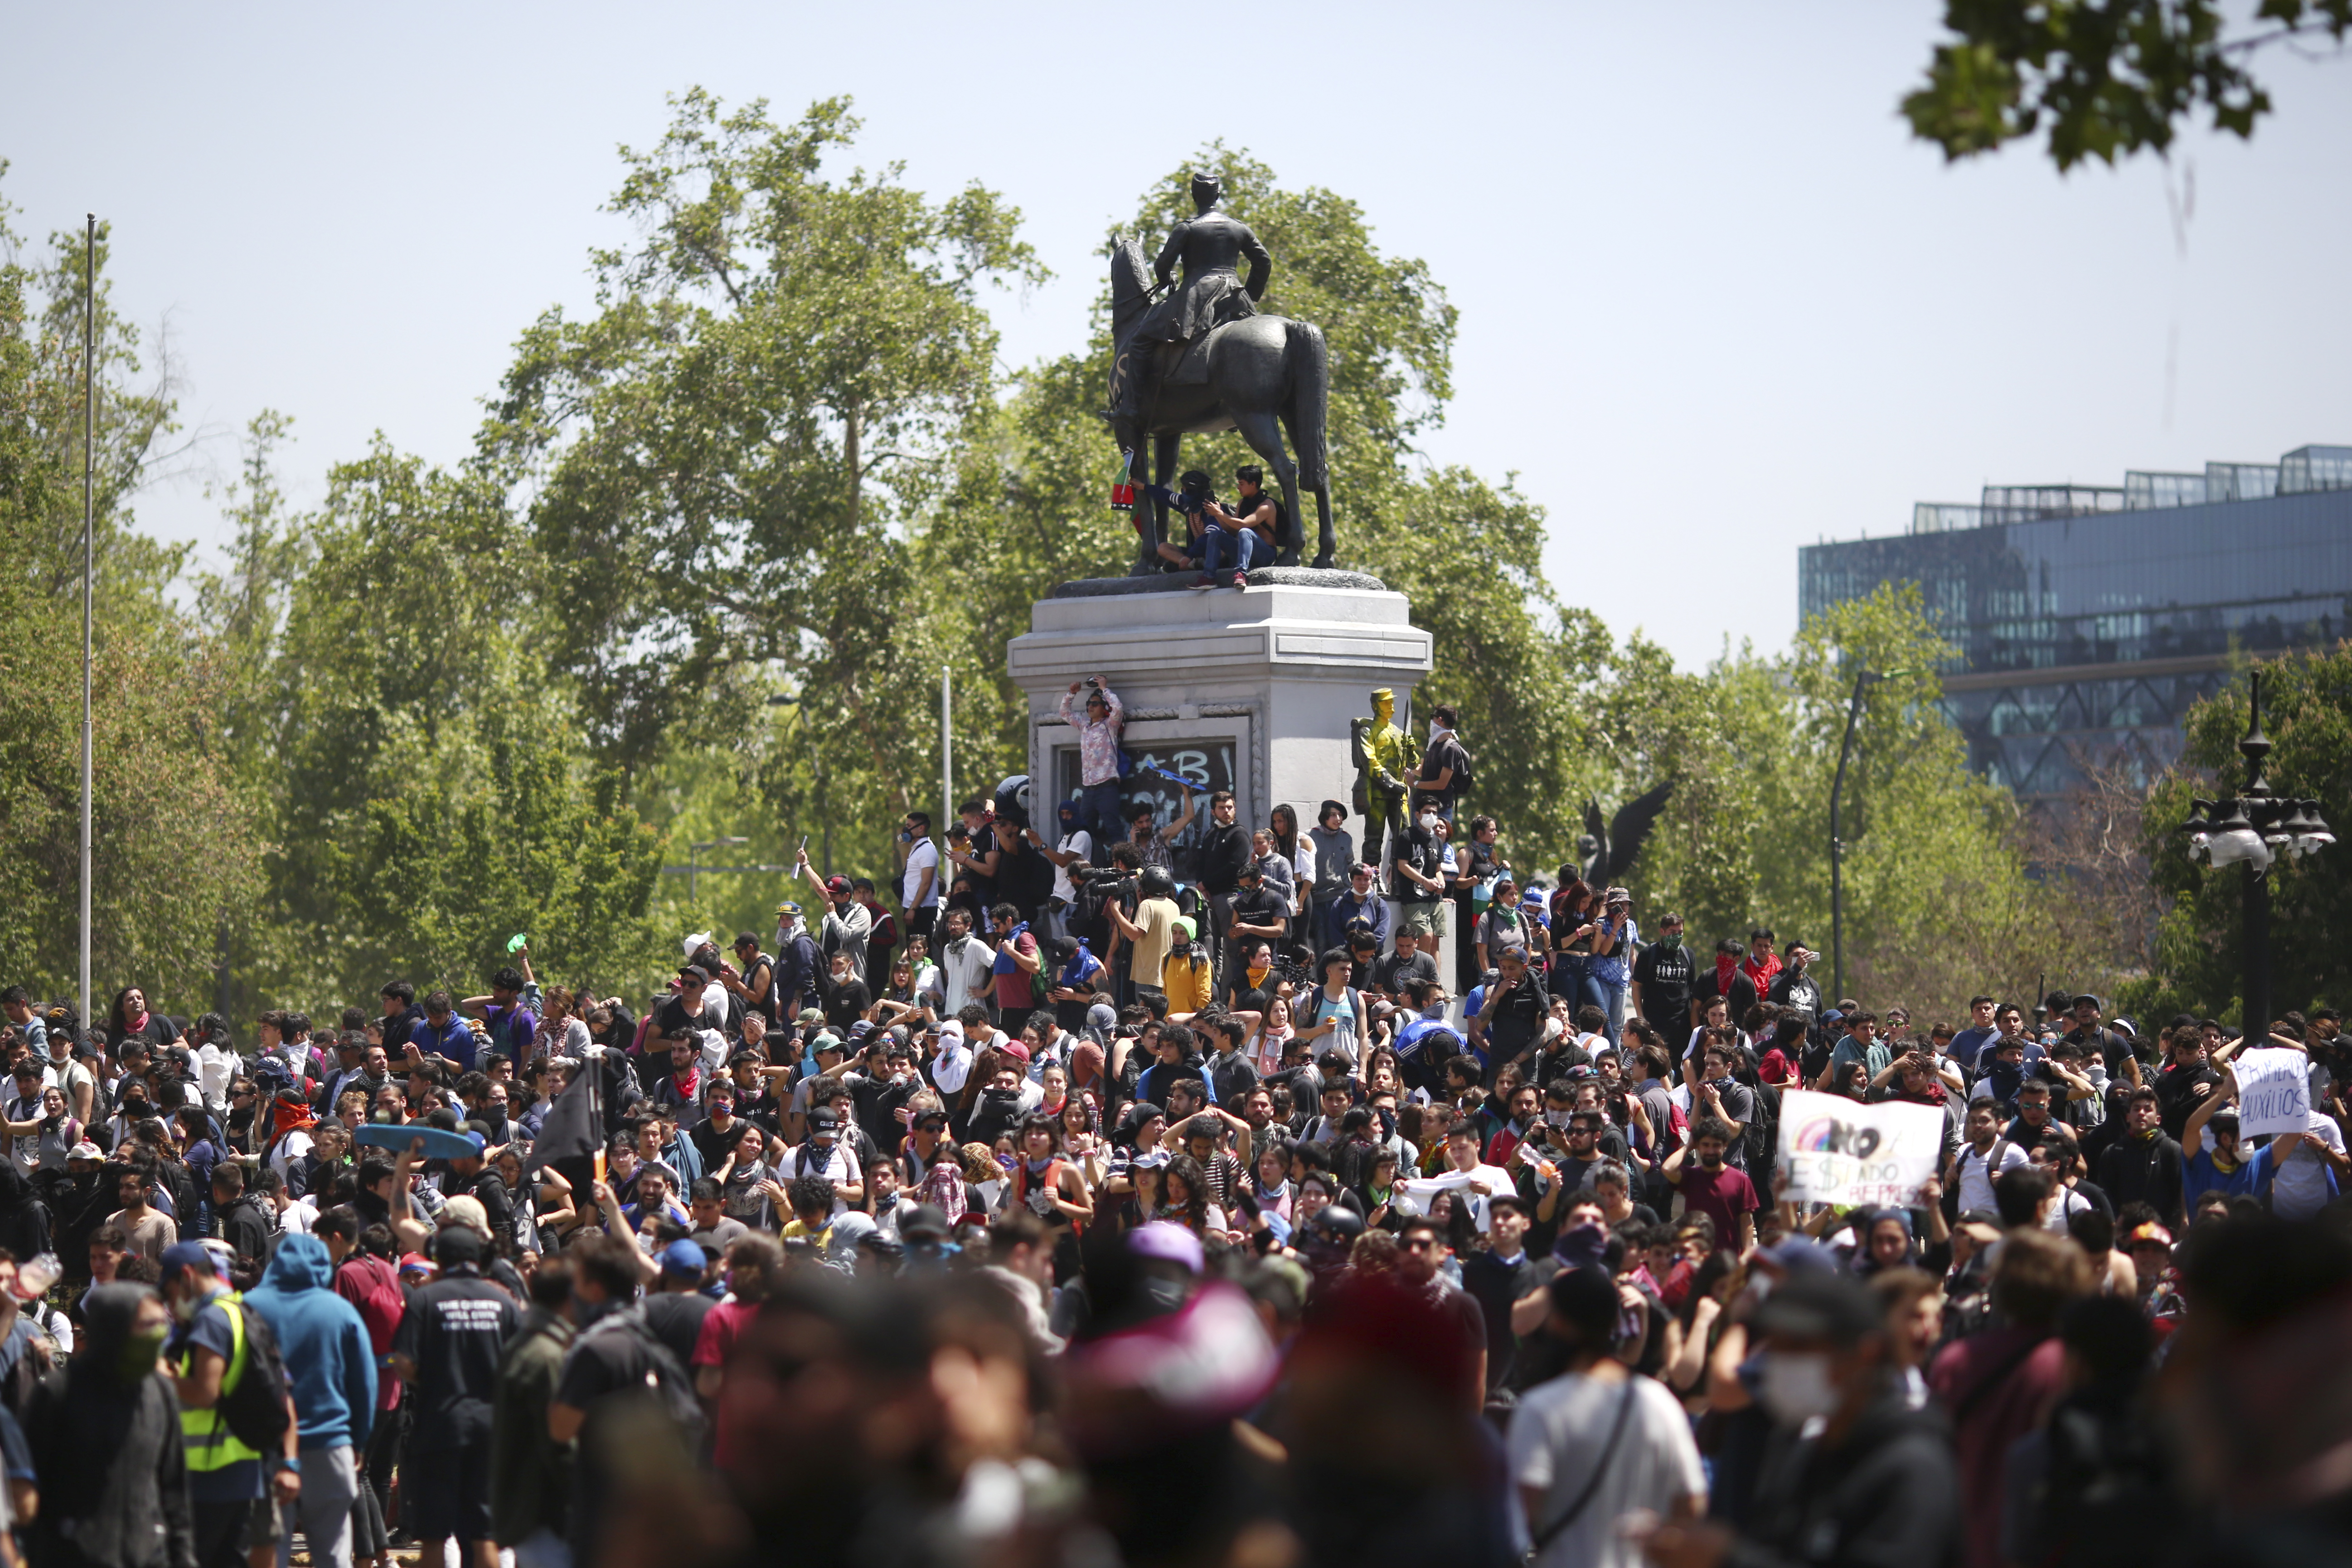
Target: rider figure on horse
(1211, 245)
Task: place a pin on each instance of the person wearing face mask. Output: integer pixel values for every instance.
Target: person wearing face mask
(1862, 1478)
(1417, 868)
(106, 1446)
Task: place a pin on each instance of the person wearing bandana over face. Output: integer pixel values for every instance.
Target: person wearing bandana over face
(1727, 981)
(1073, 847)
(106, 1445)
(1662, 981)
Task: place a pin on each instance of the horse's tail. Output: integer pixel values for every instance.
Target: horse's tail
(1310, 387)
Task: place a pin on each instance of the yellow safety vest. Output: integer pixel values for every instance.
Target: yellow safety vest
(210, 1444)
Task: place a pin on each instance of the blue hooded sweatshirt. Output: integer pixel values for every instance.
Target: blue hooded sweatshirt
(323, 1340)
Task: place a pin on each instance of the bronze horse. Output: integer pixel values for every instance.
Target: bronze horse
(1267, 375)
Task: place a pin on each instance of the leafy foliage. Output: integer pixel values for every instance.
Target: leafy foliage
(2109, 77)
(159, 782)
(2199, 952)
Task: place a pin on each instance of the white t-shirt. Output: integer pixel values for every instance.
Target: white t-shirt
(966, 965)
(1559, 1435)
(924, 855)
(1976, 1186)
(2066, 1202)
(1082, 845)
(2300, 1188)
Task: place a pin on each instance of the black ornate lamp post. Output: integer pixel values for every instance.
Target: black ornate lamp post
(2255, 829)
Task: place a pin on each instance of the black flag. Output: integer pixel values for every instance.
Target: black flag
(571, 1134)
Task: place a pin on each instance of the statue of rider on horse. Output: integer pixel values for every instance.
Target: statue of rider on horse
(1202, 360)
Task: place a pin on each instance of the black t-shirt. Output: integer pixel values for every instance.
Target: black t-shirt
(675, 1319)
(454, 1330)
(1225, 850)
(1394, 971)
(1262, 906)
(609, 1358)
(1494, 1286)
(714, 1146)
(1664, 975)
(846, 1002)
(1441, 754)
(1418, 847)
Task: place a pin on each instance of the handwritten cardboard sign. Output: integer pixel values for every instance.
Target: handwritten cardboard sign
(2274, 1091)
(1837, 1151)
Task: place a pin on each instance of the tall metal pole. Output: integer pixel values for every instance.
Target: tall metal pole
(1837, 849)
(2256, 934)
(88, 568)
(947, 759)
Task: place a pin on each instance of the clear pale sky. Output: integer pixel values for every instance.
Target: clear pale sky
(1714, 301)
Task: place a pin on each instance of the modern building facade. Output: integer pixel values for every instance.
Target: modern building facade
(2089, 617)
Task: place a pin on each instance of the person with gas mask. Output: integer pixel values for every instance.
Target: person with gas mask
(1596, 1442)
(106, 1445)
(1857, 1477)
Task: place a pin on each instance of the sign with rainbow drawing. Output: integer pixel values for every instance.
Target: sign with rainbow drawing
(1838, 1150)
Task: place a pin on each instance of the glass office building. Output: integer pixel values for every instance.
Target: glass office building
(2089, 617)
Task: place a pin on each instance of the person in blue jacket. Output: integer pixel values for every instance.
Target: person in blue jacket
(330, 1370)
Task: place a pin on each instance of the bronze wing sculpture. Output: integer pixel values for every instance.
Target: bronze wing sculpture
(1609, 848)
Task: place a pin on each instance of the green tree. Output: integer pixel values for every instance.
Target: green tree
(159, 785)
(428, 786)
(727, 457)
(2107, 77)
(2199, 949)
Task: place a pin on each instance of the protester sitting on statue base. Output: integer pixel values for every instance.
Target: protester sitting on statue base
(1223, 541)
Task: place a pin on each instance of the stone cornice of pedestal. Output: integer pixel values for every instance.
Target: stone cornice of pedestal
(1307, 630)
(1181, 582)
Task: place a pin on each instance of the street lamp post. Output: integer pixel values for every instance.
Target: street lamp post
(2255, 829)
(1837, 845)
(694, 849)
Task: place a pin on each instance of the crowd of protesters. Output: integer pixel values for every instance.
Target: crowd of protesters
(1175, 1192)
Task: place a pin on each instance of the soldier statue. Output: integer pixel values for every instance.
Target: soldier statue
(1211, 245)
(1383, 753)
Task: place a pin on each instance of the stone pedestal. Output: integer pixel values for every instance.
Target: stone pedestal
(1250, 689)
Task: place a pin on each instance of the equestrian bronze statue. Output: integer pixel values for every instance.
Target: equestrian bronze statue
(1203, 361)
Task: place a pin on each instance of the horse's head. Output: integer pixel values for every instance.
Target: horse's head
(1130, 284)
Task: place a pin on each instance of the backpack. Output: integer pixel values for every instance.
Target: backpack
(1464, 777)
(254, 1410)
(669, 1389)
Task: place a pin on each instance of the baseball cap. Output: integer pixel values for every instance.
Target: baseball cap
(788, 907)
(1812, 1305)
(827, 1041)
(823, 1120)
(457, 1244)
(187, 1254)
(809, 1015)
(695, 971)
(684, 1258)
(1014, 1048)
(860, 1029)
(837, 885)
(85, 1149)
(1165, 1242)
(416, 1263)
(927, 1223)
(689, 945)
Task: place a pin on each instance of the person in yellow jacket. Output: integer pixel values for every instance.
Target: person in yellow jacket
(232, 1490)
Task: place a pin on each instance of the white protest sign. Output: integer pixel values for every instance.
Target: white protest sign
(2274, 1091)
(1838, 1150)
